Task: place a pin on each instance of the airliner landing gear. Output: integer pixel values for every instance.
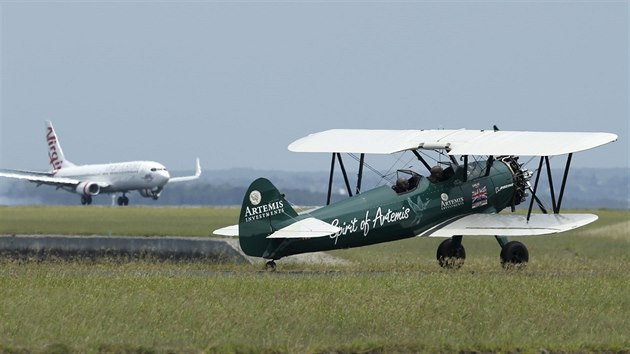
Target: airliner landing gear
(451, 253)
(86, 200)
(514, 255)
(123, 200)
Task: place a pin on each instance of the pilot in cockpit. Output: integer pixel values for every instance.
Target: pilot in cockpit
(436, 174)
(402, 185)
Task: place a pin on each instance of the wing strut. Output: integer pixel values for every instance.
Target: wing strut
(345, 175)
(337, 156)
(553, 194)
(465, 168)
(556, 203)
(360, 176)
(330, 179)
(421, 159)
(531, 202)
(564, 182)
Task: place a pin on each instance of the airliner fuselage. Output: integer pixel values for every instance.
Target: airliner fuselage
(147, 177)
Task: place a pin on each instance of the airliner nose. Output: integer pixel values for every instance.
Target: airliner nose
(165, 175)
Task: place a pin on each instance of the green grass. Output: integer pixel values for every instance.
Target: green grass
(189, 307)
(574, 296)
(128, 221)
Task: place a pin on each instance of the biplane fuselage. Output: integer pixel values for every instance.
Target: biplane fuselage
(382, 214)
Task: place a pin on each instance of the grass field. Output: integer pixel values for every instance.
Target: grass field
(574, 296)
(129, 221)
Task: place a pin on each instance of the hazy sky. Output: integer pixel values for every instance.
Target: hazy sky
(235, 82)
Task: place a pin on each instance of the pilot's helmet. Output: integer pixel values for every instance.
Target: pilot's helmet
(436, 171)
(402, 182)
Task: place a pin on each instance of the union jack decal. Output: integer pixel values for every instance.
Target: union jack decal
(479, 195)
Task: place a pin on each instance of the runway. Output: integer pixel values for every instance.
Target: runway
(73, 247)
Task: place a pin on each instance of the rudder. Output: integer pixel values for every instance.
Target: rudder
(55, 155)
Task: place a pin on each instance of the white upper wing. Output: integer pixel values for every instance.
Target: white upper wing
(509, 225)
(455, 142)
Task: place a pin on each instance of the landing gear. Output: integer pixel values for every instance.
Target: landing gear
(514, 255)
(270, 266)
(451, 253)
(86, 200)
(123, 200)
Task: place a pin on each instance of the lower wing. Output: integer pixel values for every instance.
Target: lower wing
(509, 225)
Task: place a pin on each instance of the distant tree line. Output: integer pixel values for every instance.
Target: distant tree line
(586, 188)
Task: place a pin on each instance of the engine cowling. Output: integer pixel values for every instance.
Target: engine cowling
(521, 177)
(88, 188)
(150, 192)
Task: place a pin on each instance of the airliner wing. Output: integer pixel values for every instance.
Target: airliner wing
(48, 179)
(41, 178)
(509, 225)
(188, 178)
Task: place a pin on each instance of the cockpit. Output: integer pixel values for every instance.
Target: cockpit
(408, 180)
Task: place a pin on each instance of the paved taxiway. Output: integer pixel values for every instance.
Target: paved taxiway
(162, 247)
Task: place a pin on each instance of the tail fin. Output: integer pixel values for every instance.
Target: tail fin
(263, 212)
(55, 154)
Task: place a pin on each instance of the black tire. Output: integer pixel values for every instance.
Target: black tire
(86, 200)
(514, 255)
(270, 266)
(450, 255)
(122, 201)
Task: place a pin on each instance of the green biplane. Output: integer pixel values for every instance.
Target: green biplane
(460, 198)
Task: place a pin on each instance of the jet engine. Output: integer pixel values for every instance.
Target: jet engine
(88, 188)
(151, 193)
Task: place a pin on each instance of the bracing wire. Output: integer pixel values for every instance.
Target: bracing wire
(382, 176)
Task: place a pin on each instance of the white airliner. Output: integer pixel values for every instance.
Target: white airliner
(147, 177)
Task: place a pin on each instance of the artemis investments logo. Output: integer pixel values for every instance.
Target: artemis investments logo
(257, 211)
(447, 203)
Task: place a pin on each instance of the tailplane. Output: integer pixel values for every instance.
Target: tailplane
(55, 155)
(264, 211)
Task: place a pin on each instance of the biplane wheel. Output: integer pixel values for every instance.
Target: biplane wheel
(514, 255)
(270, 266)
(451, 255)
